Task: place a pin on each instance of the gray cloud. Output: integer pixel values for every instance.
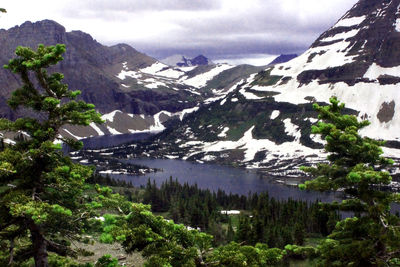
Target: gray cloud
(211, 27)
(273, 27)
(103, 7)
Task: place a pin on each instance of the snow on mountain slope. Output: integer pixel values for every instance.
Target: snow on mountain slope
(264, 121)
(160, 74)
(202, 79)
(346, 62)
(118, 122)
(201, 82)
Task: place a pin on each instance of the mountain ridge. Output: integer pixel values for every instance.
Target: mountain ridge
(140, 91)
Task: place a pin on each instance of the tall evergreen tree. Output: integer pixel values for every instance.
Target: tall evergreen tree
(40, 188)
(357, 166)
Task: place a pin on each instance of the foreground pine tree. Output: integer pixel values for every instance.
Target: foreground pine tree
(41, 199)
(372, 236)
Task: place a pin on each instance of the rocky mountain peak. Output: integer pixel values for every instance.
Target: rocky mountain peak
(184, 61)
(199, 60)
(357, 60)
(282, 59)
(370, 32)
(48, 31)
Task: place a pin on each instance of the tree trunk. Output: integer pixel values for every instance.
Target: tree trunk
(39, 247)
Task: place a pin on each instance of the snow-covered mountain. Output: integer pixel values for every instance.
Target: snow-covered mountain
(357, 60)
(195, 81)
(264, 121)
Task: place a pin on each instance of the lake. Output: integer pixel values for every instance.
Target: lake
(214, 177)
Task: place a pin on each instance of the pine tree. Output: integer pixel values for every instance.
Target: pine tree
(41, 198)
(298, 234)
(356, 166)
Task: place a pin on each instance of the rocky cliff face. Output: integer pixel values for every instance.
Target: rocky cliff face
(90, 67)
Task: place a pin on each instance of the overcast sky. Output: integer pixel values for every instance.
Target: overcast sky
(231, 30)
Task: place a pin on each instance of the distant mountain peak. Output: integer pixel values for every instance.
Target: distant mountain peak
(184, 61)
(282, 59)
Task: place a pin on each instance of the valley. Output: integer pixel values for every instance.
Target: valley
(262, 120)
(112, 157)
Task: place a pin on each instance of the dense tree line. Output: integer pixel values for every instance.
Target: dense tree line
(264, 219)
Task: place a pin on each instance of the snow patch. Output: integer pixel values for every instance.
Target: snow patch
(342, 35)
(213, 99)
(223, 133)
(128, 73)
(96, 128)
(292, 129)
(275, 114)
(153, 69)
(202, 79)
(153, 84)
(374, 71)
(74, 136)
(248, 95)
(158, 126)
(349, 22)
(110, 116)
(171, 73)
(209, 158)
(182, 113)
(171, 157)
(112, 130)
(397, 27)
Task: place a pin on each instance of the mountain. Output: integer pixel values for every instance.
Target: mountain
(183, 61)
(264, 121)
(282, 59)
(136, 93)
(357, 60)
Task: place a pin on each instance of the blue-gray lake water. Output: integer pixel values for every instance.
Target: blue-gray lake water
(214, 177)
(209, 176)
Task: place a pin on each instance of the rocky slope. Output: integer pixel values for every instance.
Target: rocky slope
(264, 121)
